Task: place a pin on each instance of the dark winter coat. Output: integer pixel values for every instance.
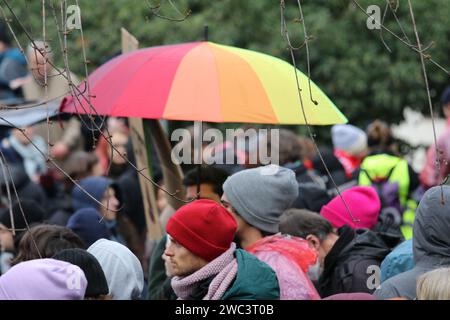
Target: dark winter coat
(312, 188)
(26, 189)
(348, 265)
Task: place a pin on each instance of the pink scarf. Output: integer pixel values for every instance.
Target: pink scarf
(224, 267)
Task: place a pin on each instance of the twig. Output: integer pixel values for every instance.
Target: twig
(403, 41)
(311, 135)
(424, 70)
(20, 205)
(307, 52)
(155, 11)
(381, 30)
(45, 56)
(8, 192)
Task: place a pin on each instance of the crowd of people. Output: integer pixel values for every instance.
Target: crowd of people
(353, 222)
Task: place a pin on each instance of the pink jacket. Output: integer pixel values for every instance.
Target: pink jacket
(290, 257)
(430, 176)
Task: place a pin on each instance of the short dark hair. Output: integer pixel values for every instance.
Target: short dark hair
(47, 240)
(445, 97)
(212, 175)
(302, 222)
(5, 37)
(80, 164)
(290, 147)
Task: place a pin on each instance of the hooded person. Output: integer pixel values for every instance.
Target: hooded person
(204, 261)
(122, 269)
(431, 244)
(100, 190)
(43, 279)
(257, 198)
(350, 146)
(97, 287)
(96, 186)
(363, 203)
(87, 224)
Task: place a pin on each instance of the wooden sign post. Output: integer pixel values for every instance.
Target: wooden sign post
(141, 145)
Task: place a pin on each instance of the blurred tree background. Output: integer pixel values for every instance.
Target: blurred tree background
(348, 61)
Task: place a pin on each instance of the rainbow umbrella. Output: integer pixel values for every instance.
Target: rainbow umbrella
(204, 81)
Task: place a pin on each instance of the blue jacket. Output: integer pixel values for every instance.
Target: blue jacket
(398, 261)
(12, 65)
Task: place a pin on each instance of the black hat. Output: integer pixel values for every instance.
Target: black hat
(95, 276)
(32, 210)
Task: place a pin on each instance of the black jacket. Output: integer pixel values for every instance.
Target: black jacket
(347, 264)
(26, 189)
(312, 188)
(334, 166)
(131, 198)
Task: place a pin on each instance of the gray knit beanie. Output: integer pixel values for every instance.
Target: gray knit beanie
(349, 138)
(260, 198)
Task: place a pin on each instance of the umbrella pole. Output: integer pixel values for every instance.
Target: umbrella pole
(200, 135)
(205, 33)
(198, 156)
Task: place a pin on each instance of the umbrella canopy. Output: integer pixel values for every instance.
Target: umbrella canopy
(29, 114)
(204, 81)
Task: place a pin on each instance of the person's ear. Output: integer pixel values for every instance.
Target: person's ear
(313, 241)
(446, 110)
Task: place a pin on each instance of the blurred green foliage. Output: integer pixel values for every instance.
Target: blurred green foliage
(348, 61)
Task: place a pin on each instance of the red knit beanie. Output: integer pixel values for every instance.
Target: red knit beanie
(203, 227)
(364, 204)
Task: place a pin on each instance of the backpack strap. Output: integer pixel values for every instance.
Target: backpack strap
(377, 185)
(392, 170)
(368, 175)
(388, 176)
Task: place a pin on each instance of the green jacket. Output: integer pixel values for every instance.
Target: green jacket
(255, 280)
(383, 165)
(159, 287)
